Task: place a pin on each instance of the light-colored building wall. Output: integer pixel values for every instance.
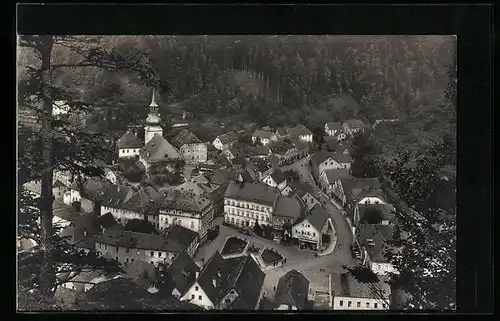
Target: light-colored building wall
(306, 232)
(240, 212)
(286, 307)
(306, 138)
(128, 255)
(310, 201)
(128, 152)
(194, 153)
(348, 303)
(197, 296)
(70, 196)
(382, 268)
(197, 222)
(150, 131)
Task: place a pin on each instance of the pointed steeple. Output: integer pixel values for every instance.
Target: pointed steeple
(153, 100)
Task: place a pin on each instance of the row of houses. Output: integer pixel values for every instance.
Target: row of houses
(301, 217)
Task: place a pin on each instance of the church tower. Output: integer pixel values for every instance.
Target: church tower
(153, 121)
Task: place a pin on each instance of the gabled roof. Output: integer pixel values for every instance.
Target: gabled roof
(182, 272)
(222, 176)
(288, 207)
(317, 217)
(248, 284)
(185, 137)
(256, 192)
(95, 188)
(145, 201)
(281, 148)
(116, 195)
(278, 176)
(179, 238)
(321, 156)
(299, 130)
(302, 188)
(354, 123)
(357, 188)
(227, 137)
(134, 240)
(185, 201)
(342, 158)
(333, 125)
(246, 176)
(333, 175)
(262, 134)
(128, 140)
(260, 151)
(58, 184)
(332, 143)
(292, 290)
(272, 161)
(216, 268)
(344, 284)
(158, 149)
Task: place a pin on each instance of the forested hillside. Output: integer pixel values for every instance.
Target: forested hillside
(277, 80)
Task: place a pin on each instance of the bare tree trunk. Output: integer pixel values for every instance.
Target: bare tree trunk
(47, 271)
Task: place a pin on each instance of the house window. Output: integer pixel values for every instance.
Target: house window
(367, 304)
(192, 224)
(349, 304)
(196, 288)
(159, 254)
(199, 297)
(375, 305)
(358, 304)
(192, 296)
(117, 248)
(341, 303)
(152, 253)
(126, 260)
(116, 258)
(314, 234)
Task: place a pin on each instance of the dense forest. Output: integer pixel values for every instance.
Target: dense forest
(278, 80)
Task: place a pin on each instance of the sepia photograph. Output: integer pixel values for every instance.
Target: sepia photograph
(240, 172)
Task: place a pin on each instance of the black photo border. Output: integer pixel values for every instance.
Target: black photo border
(472, 23)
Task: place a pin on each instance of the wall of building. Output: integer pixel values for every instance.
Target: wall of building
(198, 222)
(286, 307)
(129, 255)
(128, 152)
(306, 138)
(305, 231)
(381, 268)
(194, 153)
(71, 196)
(110, 176)
(196, 295)
(87, 205)
(330, 164)
(310, 201)
(228, 299)
(372, 200)
(150, 131)
(342, 303)
(243, 211)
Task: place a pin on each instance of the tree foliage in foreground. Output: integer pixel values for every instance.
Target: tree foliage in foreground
(57, 145)
(426, 255)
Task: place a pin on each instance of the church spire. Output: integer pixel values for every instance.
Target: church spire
(153, 100)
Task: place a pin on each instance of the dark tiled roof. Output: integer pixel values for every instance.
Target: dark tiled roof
(260, 151)
(302, 188)
(288, 207)
(144, 201)
(342, 158)
(263, 134)
(374, 238)
(292, 290)
(185, 201)
(252, 192)
(334, 126)
(321, 156)
(116, 195)
(128, 140)
(332, 143)
(281, 148)
(357, 188)
(140, 226)
(66, 212)
(222, 176)
(134, 240)
(182, 272)
(272, 161)
(281, 131)
(185, 137)
(334, 175)
(355, 123)
(299, 130)
(227, 137)
(246, 176)
(159, 149)
(278, 176)
(248, 285)
(94, 189)
(218, 269)
(317, 217)
(179, 238)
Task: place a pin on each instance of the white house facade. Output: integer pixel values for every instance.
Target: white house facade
(246, 213)
(197, 296)
(349, 303)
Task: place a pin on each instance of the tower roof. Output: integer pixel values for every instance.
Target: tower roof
(153, 100)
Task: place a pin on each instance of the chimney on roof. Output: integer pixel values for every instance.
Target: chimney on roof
(214, 282)
(197, 274)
